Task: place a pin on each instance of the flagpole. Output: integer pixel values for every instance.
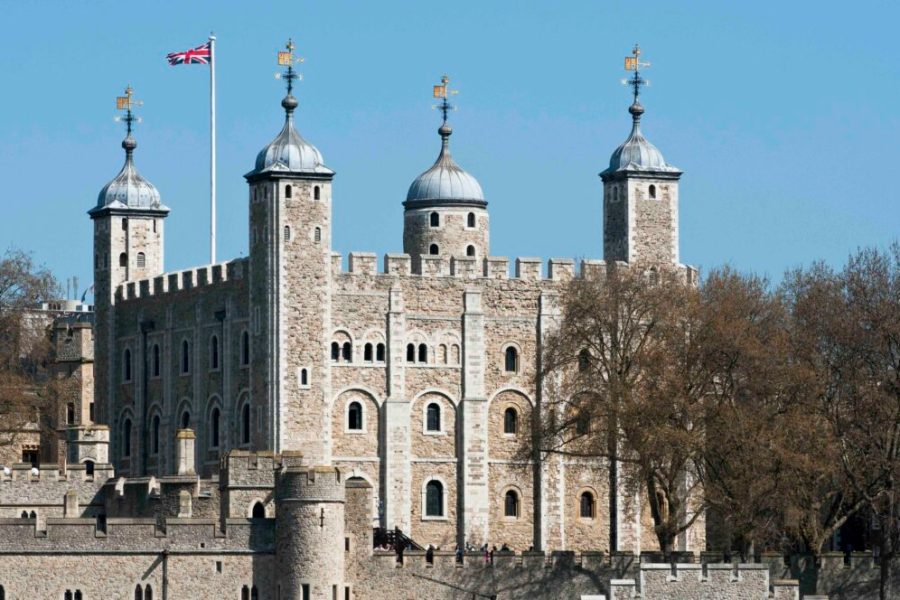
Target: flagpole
(212, 148)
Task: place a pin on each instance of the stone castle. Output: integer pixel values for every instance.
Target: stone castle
(253, 424)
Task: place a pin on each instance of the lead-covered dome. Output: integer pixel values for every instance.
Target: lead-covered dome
(636, 153)
(289, 152)
(129, 189)
(445, 181)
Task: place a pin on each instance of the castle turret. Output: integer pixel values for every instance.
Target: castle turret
(640, 195)
(309, 546)
(128, 245)
(445, 212)
(290, 283)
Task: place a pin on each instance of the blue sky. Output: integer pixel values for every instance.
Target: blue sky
(783, 115)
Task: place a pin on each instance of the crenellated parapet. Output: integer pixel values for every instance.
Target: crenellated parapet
(182, 281)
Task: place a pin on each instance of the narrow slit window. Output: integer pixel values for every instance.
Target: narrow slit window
(185, 357)
(245, 424)
(316, 193)
(214, 352)
(367, 353)
(288, 191)
(155, 360)
(214, 428)
(652, 191)
(304, 377)
(379, 353)
(287, 233)
(245, 348)
(410, 353)
(126, 365)
(434, 219)
(335, 351)
(470, 220)
(347, 352)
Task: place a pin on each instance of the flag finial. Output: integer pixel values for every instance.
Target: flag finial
(287, 59)
(633, 63)
(443, 91)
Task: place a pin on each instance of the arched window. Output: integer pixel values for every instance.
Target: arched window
(245, 424)
(379, 353)
(434, 499)
(259, 511)
(155, 360)
(245, 593)
(583, 423)
(335, 351)
(454, 354)
(347, 352)
(442, 354)
(317, 235)
(185, 357)
(254, 593)
(287, 191)
(89, 468)
(434, 250)
(214, 352)
(511, 363)
(470, 220)
(185, 419)
(24, 514)
(70, 413)
(304, 376)
(68, 595)
(316, 194)
(584, 360)
(434, 219)
(123, 260)
(367, 353)
(470, 250)
(214, 428)
(355, 417)
(154, 435)
(124, 224)
(410, 353)
(510, 421)
(32, 515)
(586, 505)
(141, 260)
(126, 438)
(511, 504)
(423, 353)
(148, 592)
(245, 348)
(287, 233)
(2, 593)
(126, 365)
(433, 417)
(138, 593)
(652, 191)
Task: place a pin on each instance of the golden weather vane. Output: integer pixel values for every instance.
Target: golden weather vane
(633, 63)
(287, 59)
(443, 91)
(127, 103)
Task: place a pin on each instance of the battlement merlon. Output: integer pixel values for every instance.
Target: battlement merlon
(179, 281)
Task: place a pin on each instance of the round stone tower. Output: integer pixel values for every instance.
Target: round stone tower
(309, 543)
(445, 212)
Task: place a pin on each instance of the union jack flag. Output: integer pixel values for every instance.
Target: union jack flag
(200, 55)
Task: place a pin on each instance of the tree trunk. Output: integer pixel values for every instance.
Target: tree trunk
(887, 556)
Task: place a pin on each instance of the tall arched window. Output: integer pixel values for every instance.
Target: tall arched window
(410, 353)
(470, 220)
(185, 357)
(245, 424)
(138, 593)
(434, 499)
(511, 362)
(347, 352)
(254, 593)
(123, 260)
(141, 260)
(470, 250)
(155, 360)
(126, 438)
(124, 224)
(433, 417)
(287, 233)
(434, 250)
(652, 191)
(89, 468)
(154, 435)
(70, 413)
(148, 592)
(355, 417)
(434, 219)
(304, 376)
(185, 419)
(586, 505)
(584, 360)
(259, 511)
(316, 193)
(245, 593)
(287, 191)
(423, 353)
(335, 351)
(245, 348)
(379, 353)
(2, 593)
(126, 365)
(214, 428)
(511, 504)
(510, 421)
(68, 595)
(214, 352)
(367, 352)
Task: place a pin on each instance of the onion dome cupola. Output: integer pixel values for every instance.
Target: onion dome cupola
(289, 154)
(445, 213)
(129, 190)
